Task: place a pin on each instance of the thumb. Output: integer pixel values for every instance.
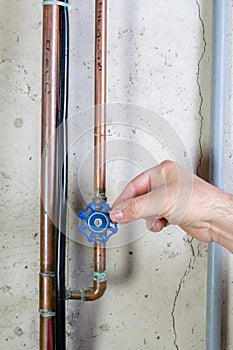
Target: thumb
(144, 206)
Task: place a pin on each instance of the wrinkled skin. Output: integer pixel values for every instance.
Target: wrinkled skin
(169, 194)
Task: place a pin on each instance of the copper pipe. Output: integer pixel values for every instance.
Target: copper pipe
(100, 98)
(48, 176)
(99, 281)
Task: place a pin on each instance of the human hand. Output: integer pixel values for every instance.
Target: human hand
(169, 194)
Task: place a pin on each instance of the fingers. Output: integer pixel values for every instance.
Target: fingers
(156, 225)
(143, 206)
(141, 184)
(152, 193)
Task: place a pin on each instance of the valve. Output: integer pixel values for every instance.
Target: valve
(95, 223)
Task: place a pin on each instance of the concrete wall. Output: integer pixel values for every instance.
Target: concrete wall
(159, 95)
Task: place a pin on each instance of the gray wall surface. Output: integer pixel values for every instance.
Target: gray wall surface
(159, 73)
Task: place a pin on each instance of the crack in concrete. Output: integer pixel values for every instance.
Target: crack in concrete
(192, 259)
(190, 267)
(31, 95)
(199, 88)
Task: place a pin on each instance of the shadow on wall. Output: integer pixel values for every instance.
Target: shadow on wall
(82, 317)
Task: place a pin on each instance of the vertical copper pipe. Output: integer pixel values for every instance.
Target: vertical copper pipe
(99, 282)
(100, 285)
(100, 98)
(48, 176)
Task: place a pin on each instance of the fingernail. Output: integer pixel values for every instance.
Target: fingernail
(156, 226)
(117, 215)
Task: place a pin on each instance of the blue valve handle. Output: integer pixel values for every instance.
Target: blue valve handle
(95, 223)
